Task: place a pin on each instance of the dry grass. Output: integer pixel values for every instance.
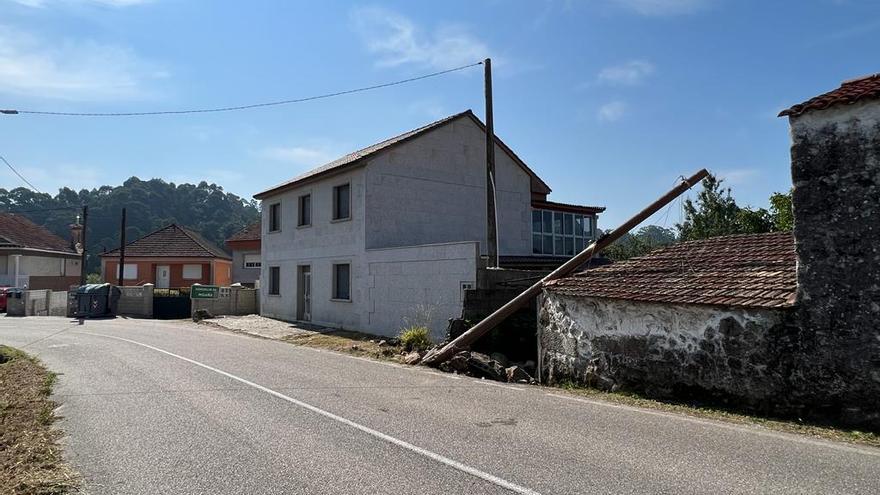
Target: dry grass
(827, 432)
(356, 343)
(30, 457)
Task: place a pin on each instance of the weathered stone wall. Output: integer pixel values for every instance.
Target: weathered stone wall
(836, 173)
(727, 354)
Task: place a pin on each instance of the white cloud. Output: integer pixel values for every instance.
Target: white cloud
(664, 7)
(612, 111)
(70, 70)
(107, 3)
(628, 74)
(397, 40)
(738, 176)
(302, 156)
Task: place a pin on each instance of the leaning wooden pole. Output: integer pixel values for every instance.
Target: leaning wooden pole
(435, 356)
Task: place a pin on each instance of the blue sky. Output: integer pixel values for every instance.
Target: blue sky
(608, 100)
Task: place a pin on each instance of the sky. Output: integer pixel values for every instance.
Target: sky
(609, 101)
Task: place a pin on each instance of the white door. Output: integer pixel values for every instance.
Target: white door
(307, 296)
(163, 276)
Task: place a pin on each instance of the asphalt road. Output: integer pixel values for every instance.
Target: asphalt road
(164, 407)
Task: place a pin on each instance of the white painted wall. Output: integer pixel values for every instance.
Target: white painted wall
(432, 189)
(418, 285)
(40, 265)
(323, 243)
(239, 272)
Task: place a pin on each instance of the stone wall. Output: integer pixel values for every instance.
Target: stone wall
(836, 173)
(136, 301)
(738, 356)
(230, 301)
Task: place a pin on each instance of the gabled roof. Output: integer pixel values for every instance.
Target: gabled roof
(751, 270)
(849, 92)
(17, 231)
(357, 158)
(172, 241)
(250, 233)
(553, 205)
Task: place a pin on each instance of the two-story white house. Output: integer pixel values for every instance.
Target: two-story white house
(391, 234)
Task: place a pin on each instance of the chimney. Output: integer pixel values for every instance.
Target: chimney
(76, 235)
(835, 169)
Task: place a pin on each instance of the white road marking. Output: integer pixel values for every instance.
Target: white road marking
(378, 434)
(493, 384)
(747, 429)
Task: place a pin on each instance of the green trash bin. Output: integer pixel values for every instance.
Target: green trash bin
(96, 300)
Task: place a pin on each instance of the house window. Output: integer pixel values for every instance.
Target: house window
(342, 202)
(304, 218)
(342, 281)
(275, 217)
(130, 271)
(252, 261)
(274, 280)
(559, 233)
(192, 272)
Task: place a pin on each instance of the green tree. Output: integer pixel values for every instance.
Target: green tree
(714, 213)
(781, 212)
(204, 207)
(640, 243)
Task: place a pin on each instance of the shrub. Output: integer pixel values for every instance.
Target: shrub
(415, 338)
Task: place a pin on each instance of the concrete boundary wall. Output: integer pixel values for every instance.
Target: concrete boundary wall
(136, 301)
(231, 301)
(42, 302)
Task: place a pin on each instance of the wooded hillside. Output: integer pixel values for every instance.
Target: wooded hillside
(205, 208)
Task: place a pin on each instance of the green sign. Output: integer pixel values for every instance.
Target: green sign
(204, 292)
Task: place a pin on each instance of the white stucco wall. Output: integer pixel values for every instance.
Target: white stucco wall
(240, 274)
(40, 265)
(321, 245)
(433, 189)
(418, 285)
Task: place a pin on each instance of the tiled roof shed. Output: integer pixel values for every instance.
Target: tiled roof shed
(751, 270)
(848, 93)
(172, 241)
(17, 231)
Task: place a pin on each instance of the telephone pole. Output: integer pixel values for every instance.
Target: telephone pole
(492, 221)
(120, 281)
(82, 273)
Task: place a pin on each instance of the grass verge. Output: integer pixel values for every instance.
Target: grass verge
(827, 432)
(30, 456)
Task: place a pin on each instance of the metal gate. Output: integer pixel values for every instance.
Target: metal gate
(172, 304)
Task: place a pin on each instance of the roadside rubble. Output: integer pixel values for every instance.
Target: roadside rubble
(480, 365)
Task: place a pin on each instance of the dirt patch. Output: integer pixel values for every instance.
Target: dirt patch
(30, 457)
(360, 344)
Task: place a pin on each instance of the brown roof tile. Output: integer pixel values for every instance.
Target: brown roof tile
(849, 92)
(752, 270)
(250, 233)
(17, 231)
(172, 241)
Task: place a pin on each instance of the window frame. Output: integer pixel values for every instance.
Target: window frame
(257, 264)
(183, 271)
(274, 224)
(334, 282)
(274, 289)
(299, 210)
(125, 271)
(560, 236)
(335, 206)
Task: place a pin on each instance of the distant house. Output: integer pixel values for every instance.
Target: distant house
(392, 234)
(245, 247)
(172, 256)
(33, 257)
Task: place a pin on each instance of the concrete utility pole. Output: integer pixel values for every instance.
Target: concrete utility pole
(82, 268)
(492, 221)
(437, 356)
(120, 281)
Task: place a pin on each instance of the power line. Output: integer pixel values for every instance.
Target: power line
(19, 175)
(40, 210)
(241, 107)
